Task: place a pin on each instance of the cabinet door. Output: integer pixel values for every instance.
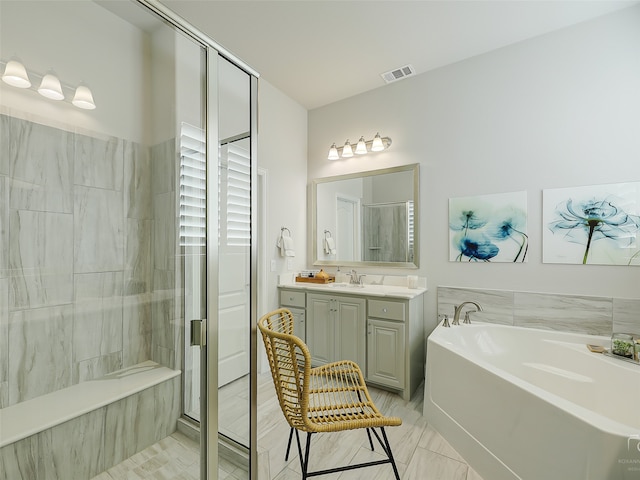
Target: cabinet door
(299, 324)
(351, 335)
(320, 328)
(386, 357)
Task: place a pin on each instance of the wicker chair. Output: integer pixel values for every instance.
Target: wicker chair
(329, 398)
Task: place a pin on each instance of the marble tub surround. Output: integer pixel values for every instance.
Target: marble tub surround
(84, 249)
(570, 313)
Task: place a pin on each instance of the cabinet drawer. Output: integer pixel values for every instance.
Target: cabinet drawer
(386, 309)
(290, 298)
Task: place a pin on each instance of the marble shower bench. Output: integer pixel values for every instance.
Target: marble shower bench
(83, 430)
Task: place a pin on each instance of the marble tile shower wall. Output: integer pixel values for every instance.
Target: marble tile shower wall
(571, 313)
(76, 263)
(166, 314)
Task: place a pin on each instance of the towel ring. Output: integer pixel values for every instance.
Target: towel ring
(282, 229)
(325, 234)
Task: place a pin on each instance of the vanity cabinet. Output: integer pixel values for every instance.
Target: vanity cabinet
(395, 343)
(336, 328)
(383, 333)
(386, 343)
(295, 301)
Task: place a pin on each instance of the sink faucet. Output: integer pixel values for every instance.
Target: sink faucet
(355, 279)
(458, 310)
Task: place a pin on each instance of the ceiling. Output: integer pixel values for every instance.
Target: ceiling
(319, 52)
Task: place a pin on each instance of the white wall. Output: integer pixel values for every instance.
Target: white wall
(559, 110)
(82, 42)
(282, 150)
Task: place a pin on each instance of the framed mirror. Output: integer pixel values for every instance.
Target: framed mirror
(367, 218)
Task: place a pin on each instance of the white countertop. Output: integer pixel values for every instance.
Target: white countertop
(368, 290)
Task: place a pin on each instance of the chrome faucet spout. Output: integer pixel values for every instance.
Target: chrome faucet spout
(458, 311)
(354, 280)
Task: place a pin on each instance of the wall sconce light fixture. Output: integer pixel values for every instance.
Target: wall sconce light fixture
(16, 75)
(362, 147)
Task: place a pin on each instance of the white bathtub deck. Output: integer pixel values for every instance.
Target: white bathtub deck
(38, 414)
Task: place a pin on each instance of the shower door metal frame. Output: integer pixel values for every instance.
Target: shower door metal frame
(209, 378)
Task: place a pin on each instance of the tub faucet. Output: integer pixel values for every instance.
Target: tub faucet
(458, 310)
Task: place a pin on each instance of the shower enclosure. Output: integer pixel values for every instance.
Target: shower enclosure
(127, 263)
(388, 232)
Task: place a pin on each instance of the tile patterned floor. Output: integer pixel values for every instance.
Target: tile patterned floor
(420, 452)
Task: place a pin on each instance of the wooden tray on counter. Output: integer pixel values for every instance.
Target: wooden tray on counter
(331, 279)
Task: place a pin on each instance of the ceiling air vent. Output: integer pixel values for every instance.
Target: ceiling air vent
(398, 74)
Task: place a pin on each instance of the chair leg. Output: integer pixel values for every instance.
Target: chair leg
(370, 441)
(286, 455)
(304, 460)
(389, 454)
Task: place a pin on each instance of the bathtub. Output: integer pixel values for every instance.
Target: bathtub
(521, 403)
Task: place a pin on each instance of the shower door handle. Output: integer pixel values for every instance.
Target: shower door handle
(198, 333)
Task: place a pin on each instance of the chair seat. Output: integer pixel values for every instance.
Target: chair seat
(338, 400)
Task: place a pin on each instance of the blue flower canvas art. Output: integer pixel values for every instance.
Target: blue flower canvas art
(597, 225)
(489, 228)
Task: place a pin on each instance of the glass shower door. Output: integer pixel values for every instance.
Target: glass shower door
(103, 241)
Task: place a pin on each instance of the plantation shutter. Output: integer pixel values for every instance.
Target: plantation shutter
(410, 213)
(193, 186)
(238, 201)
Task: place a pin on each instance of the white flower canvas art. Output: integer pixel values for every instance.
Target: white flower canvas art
(596, 225)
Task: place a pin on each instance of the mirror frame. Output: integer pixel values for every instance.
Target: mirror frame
(415, 168)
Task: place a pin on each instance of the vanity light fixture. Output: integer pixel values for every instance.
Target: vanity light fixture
(364, 146)
(16, 75)
(83, 98)
(347, 151)
(50, 87)
(333, 152)
(376, 144)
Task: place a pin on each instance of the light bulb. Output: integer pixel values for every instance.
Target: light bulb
(347, 151)
(16, 75)
(50, 87)
(361, 147)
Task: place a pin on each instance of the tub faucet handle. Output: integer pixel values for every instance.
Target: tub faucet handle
(445, 322)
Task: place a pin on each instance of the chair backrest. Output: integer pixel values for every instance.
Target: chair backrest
(290, 363)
